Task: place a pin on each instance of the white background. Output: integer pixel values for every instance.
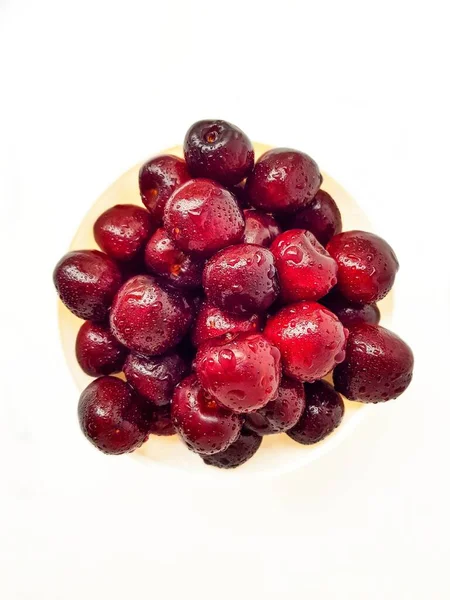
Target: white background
(89, 88)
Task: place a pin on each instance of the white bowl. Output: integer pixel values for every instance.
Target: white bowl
(278, 453)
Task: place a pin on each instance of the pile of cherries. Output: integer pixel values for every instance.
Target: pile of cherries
(226, 301)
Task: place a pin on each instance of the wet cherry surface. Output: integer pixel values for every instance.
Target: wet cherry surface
(241, 279)
(378, 365)
(311, 340)
(243, 373)
(97, 350)
(260, 228)
(305, 269)
(204, 425)
(323, 412)
(238, 453)
(349, 313)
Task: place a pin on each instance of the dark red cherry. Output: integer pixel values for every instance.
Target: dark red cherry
(97, 350)
(260, 228)
(311, 340)
(123, 230)
(204, 425)
(350, 314)
(243, 373)
(378, 365)
(321, 217)
(218, 150)
(86, 282)
(241, 279)
(367, 266)
(159, 177)
(148, 317)
(238, 453)
(279, 414)
(160, 420)
(202, 217)
(323, 413)
(165, 259)
(110, 416)
(154, 378)
(283, 180)
(213, 322)
(305, 269)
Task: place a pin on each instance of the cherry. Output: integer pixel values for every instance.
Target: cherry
(238, 453)
(260, 228)
(243, 374)
(86, 281)
(202, 217)
(321, 217)
(378, 365)
(366, 265)
(212, 322)
(283, 180)
(155, 378)
(148, 317)
(121, 231)
(311, 340)
(350, 314)
(305, 269)
(241, 279)
(204, 425)
(323, 413)
(279, 414)
(163, 258)
(97, 350)
(240, 194)
(159, 177)
(218, 150)
(160, 420)
(110, 416)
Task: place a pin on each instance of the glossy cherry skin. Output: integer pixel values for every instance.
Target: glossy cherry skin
(311, 340)
(241, 279)
(378, 365)
(305, 269)
(202, 217)
(321, 217)
(154, 378)
(123, 230)
(350, 314)
(238, 453)
(97, 350)
(367, 266)
(110, 416)
(243, 374)
(323, 413)
(213, 322)
(159, 177)
(218, 150)
(204, 425)
(279, 414)
(86, 282)
(283, 180)
(165, 259)
(260, 228)
(148, 317)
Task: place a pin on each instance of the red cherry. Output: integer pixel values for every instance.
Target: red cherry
(311, 340)
(241, 279)
(149, 318)
(305, 269)
(283, 180)
(159, 177)
(279, 414)
(243, 374)
(323, 413)
(202, 217)
(378, 365)
(204, 425)
(238, 453)
(97, 350)
(110, 416)
(350, 314)
(367, 266)
(122, 231)
(260, 228)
